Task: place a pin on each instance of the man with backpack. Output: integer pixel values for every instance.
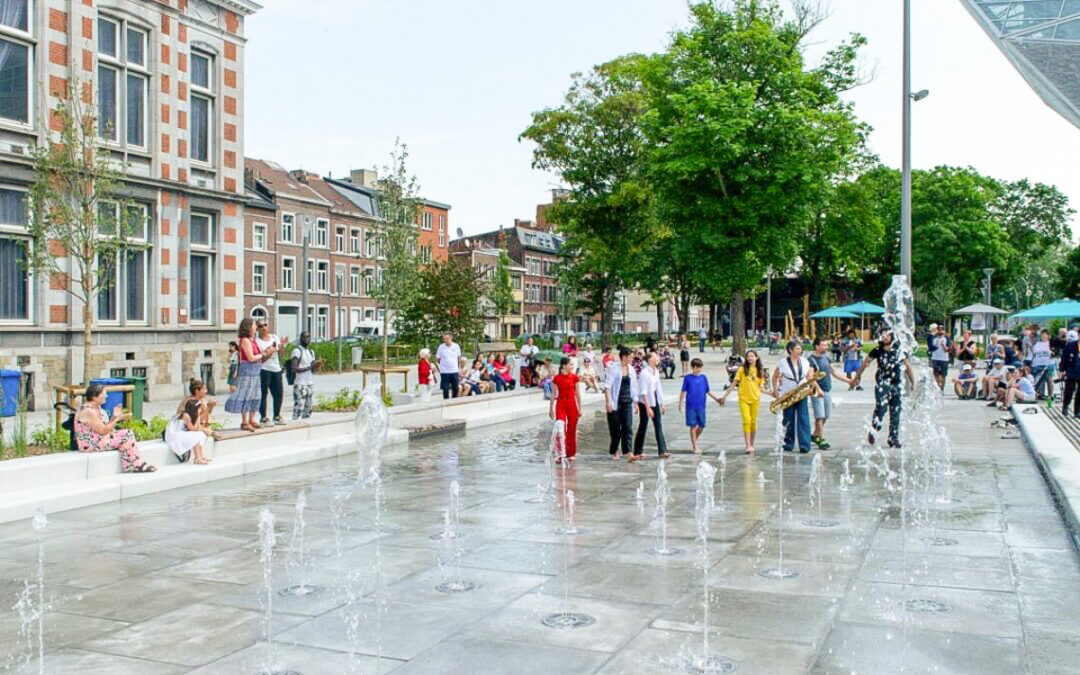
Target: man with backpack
(301, 375)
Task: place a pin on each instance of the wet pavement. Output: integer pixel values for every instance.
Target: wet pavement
(172, 582)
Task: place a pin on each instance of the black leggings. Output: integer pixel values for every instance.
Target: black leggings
(621, 427)
(887, 400)
(1071, 390)
(643, 426)
(271, 382)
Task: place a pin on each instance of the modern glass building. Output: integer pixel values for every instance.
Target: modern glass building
(1042, 39)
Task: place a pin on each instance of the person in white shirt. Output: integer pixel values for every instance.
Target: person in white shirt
(619, 395)
(270, 377)
(790, 373)
(702, 335)
(994, 376)
(528, 353)
(304, 365)
(650, 407)
(1041, 359)
(448, 355)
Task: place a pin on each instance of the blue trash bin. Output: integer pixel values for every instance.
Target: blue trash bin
(9, 384)
(113, 398)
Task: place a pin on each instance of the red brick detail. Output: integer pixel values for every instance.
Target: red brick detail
(230, 235)
(165, 24)
(229, 209)
(181, 229)
(165, 142)
(181, 288)
(182, 32)
(230, 105)
(182, 177)
(87, 28)
(181, 91)
(182, 5)
(58, 281)
(165, 315)
(230, 159)
(88, 60)
(166, 224)
(230, 185)
(230, 132)
(165, 285)
(166, 198)
(230, 262)
(165, 52)
(230, 51)
(230, 317)
(183, 202)
(165, 112)
(166, 171)
(181, 147)
(181, 119)
(87, 93)
(58, 87)
(56, 123)
(165, 84)
(58, 314)
(58, 20)
(181, 61)
(88, 3)
(230, 289)
(229, 75)
(164, 256)
(232, 22)
(181, 259)
(57, 249)
(58, 53)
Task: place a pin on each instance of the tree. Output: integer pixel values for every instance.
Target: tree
(81, 223)
(741, 136)
(447, 301)
(941, 296)
(502, 290)
(397, 265)
(1069, 274)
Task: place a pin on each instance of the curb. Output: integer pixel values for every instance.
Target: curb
(1058, 461)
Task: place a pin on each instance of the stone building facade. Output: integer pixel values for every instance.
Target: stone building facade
(166, 80)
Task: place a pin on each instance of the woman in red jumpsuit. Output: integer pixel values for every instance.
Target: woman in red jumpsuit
(566, 404)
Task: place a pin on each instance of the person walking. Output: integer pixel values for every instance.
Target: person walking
(892, 365)
(684, 355)
(566, 404)
(304, 365)
(650, 408)
(448, 354)
(692, 398)
(620, 393)
(822, 404)
(749, 380)
(245, 400)
(702, 335)
(234, 366)
(1070, 369)
(1042, 364)
(789, 374)
(270, 375)
(940, 347)
(852, 348)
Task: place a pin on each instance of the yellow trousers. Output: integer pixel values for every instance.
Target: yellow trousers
(749, 410)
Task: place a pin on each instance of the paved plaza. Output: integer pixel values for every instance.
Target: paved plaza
(173, 583)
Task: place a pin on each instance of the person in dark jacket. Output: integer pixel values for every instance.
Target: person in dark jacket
(1070, 369)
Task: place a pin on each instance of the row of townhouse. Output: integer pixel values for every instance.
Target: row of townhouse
(166, 80)
(338, 217)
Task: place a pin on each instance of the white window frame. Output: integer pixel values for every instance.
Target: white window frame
(18, 233)
(354, 281)
(339, 238)
(27, 40)
(354, 241)
(339, 279)
(258, 278)
(120, 281)
(371, 244)
(291, 285)
(211, 233)
(289, 218)
(310, 278)
(342, 323)
(322, 322)
(258, 236)
(123, 68)
(425, 221)
(322, 276)
(368, 285)
(322, 233)
(207, 93)
(210, 251)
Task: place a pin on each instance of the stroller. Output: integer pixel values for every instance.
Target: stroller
(69, 423)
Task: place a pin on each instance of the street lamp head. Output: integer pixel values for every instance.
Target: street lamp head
(919, 95)
(988, 271)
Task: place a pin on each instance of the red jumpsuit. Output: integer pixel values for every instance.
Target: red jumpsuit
(566, 408)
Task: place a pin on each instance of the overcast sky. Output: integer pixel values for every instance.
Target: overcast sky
(331, 83)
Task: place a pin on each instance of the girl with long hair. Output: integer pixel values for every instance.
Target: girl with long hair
(245, 400)
(566, 404)
(749, 381)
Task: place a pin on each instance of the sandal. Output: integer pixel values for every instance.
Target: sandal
(144, 468)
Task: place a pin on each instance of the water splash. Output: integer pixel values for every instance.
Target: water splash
(267, 540)
(813, 486)
(450, 551)
(639, 496)
(297, 563)
(846, 479)
(370, 428)
(569, 526)
(662, 494)
(31, 605)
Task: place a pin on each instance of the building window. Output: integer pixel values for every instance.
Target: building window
(322, 233)
(425, 254)
(324, 276)
(354, 242)
(16, 60)
(203, 239)
(123, 82)
(288, 274)
(258, 313)
(339, 279)
(258, 278)
(369, 281)
(442, 222)
(425, 221)
(309, 275)
(258, 237)
(370, 245)
(442, 232)
(339, 240)
(15, 298)
(354, 281)
(288, 228)
(322, 323)
(202, 229)
(202, 106)
(125, 275)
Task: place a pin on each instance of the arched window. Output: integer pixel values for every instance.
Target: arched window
(258, 312)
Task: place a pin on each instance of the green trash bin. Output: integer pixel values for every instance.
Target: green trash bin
(136, 396)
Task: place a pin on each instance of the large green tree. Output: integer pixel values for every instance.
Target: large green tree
(447, 300)
(742, 135)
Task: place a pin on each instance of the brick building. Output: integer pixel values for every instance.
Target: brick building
(167, 82)
(485, 260)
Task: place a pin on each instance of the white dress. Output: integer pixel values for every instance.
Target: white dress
(179, 439)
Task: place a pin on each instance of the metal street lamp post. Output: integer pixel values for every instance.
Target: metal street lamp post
(987, 294)
(905, 185)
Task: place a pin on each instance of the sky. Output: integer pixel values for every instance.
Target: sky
(330, 85)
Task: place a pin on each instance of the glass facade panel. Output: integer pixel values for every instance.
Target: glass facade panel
(14, 81)
(14, 14)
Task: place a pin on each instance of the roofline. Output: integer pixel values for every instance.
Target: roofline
(438, 205)
(245, 7)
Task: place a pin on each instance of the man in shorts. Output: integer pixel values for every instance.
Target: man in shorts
(852, 348)
(822, 405)
(965, 385)
(939, 346)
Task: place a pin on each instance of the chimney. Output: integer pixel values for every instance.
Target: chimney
(299, 175)
(366, 178)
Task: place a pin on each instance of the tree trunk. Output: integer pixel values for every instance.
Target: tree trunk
(659, 319)
(606, 316)
(714, 309)
(738, 323)
(684, 312)
(88, 324)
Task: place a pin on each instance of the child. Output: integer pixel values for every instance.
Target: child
(190, 428)
(695, 388)
(749, 380)
(566, 404)
(544, 374)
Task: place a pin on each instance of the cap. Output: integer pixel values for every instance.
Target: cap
(967, 366)
(999, 361)
(1072, 336)
(933, 326)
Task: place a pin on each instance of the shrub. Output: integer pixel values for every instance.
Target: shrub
(54, 439)
(147, 431)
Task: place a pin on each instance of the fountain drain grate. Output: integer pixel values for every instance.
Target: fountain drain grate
(568, 620)
(778, 573)
(925, 606)
(299, 590)
(455, 586)
(708, 665)
(670, 550)
(820, 522)
(938, 541)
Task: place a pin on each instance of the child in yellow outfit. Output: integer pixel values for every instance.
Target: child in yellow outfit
(749, 381)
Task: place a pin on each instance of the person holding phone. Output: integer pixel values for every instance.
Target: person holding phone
(270, 377)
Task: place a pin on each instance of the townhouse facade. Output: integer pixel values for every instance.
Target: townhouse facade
(484, 261)
(165, 80)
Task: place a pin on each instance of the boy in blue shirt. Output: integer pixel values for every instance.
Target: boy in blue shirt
(695, 388)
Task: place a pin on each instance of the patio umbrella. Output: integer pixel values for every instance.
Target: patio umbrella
(834, 313)
(979, 308)
(864, 307)
(1058, 309)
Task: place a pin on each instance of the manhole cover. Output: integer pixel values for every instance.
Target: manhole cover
(299, 590)
(778, 573)
(708, 665)
(939, 541)
(444, 535)
(670, 550)
(456, 586)
(820, 522)
(925, 606)
(568, 620)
